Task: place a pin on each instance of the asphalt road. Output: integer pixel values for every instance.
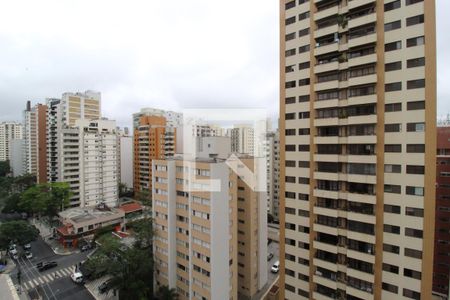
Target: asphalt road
(48, 282)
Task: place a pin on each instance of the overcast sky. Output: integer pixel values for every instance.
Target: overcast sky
(165, 54)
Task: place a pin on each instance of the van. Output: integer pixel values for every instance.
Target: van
(275, 267)
(77, 277)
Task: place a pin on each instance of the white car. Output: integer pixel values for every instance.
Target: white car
(13, 251)
(77, 277)
(276, 267)
(28, 255)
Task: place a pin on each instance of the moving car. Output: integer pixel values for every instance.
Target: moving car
(12, 247)
(270, 256)
(77, 277)
(276, 267)
(28, 254)
(47, 265)
(13, 251)
(27, 246)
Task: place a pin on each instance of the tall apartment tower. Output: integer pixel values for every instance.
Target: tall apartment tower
(441, 271)
(358, 136)
(153, 139)
(243, 139)
(271, 149)
(208, 244)
(173, 119)
(9, 131)
(35, 141)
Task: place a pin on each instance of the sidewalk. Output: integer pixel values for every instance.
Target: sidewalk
(93, 285)
(46, 232)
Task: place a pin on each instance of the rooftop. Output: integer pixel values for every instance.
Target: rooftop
(79, 215)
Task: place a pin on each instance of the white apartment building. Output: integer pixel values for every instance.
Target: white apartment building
(9, 131)
(173, 119)
(271, 149)
(243, 139)
(88, 162)
(16, 162)
(125, 156)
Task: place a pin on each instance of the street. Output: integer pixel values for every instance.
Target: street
(51, 283)
(273, 248)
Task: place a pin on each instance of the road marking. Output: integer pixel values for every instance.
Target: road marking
(47, 277)
(40, 280)
(64, 272)
(35, 282)
(31, 284)
(58, 273)
(26, 286)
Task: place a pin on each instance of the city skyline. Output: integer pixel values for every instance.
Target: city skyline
(141, 72)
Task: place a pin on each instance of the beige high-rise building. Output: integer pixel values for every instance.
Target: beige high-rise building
(358, 136)
(208, 244)
(76, 106)
(9, 131)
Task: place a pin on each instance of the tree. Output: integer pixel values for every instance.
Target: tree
(19, 232)
(12, 204)
(122, 189)
(143, 230)
(144, 197)
(5, 169)
(164, 293)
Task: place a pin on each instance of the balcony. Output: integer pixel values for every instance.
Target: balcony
(364, 119)
(332, 47)
(325, 229)
(334, 10)
(359, 293)
(326, 103)
(327, 66)
(326, 140)
(326, 31)
(327, 85)
(326, 122)
(362, 40)
(362, 60)
(326, 176)
(362, 139)
(361, 80)
(326, 194)
(357, 3)
(358, 21)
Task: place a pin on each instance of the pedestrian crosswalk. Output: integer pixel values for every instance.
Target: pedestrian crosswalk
(43, 279)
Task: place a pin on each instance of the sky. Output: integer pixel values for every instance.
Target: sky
(153, 53)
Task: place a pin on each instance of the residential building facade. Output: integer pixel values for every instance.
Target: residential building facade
(125, 163)
(9, 131)
(441, 271)
(358, 135)
(243, 139)
(271, 149)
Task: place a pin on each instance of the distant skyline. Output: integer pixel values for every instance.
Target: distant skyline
(163, 54)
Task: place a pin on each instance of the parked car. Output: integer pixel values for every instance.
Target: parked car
(15, 256)
(103, 288)
(28, 255)
(13, 251)
(276, 267)
(77, 277)
(12, 247)
(270, 256)
(47, 265)
(27, 246)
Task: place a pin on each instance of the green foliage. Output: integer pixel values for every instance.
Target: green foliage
(45, 199)
(164, 293)
(130, 269)
(143, 230)
(103, 231)
(14, 185)
(122, 189)
(144, 197)
(4, 168)
(17, 231)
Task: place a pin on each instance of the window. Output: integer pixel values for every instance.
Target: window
(392, 107)
(290, 210)
(414, 212)
(415, 84)
(289, 21)
(289, 116)
(415, 169)
(303, 197)
(290, 52)
(303, 115)
(411, 294)
(392, 87)
(303, 32)
(415, 105)
(392, 168)
(290, 179)
(303, 82)
(392, 25)
(303, 98)
(290, 84)
(303, 49)
(393, 209)
(392, 5)
(304, 65)
(412, 273)
(289, 132)
(290, 195)
(289, 148)
(417, 41)
(393, 66)
(289, 100)
(390, 288)
(303, 131)
(303, 148)
(393, 46)
(415, 127)
(303, 180)
(413, 253)
(414, 190)
(415, 20)
(390, 268)
(391, 248)
(392, 127)
(415, 148)
(303, 16)
(289, 163)
(290, 5)
(391, 188)
(394, 148)
(410, 2)
(290, 36)
(415, 62)
(391, 229)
